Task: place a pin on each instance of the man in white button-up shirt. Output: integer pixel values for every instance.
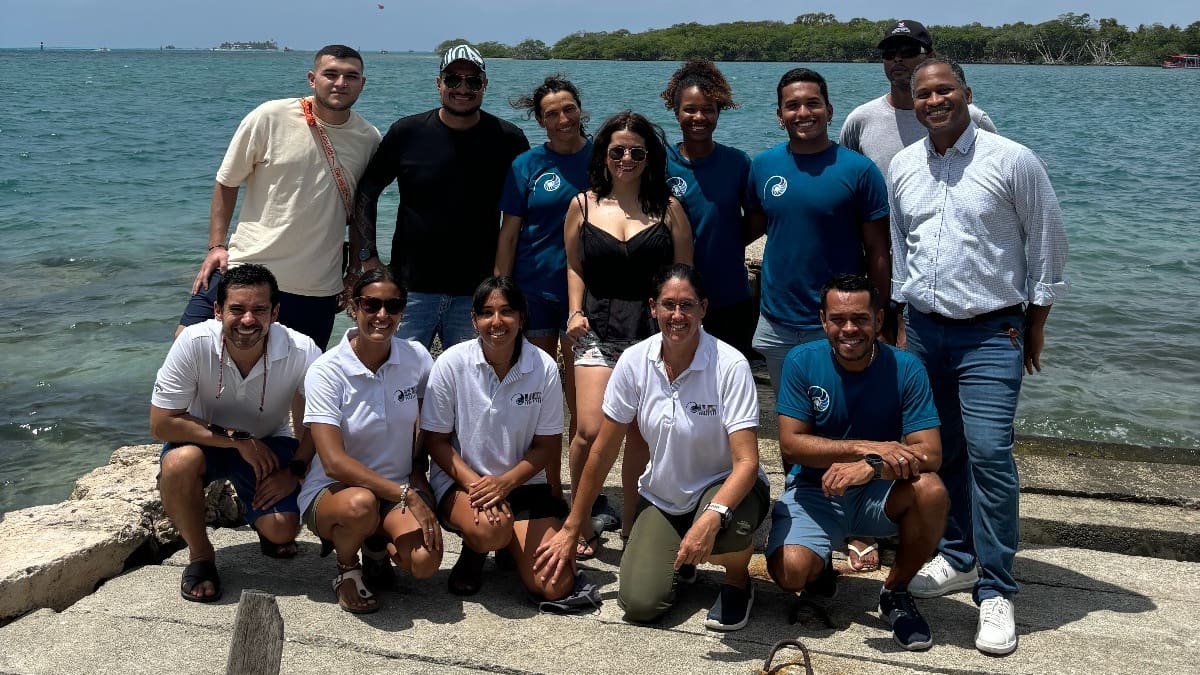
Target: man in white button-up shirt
(978, 249)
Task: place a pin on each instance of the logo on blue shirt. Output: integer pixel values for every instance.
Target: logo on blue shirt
(678, 186)
(819, 398)
(552, 183)
(531, 398)
(702, 409)
(775, 186)
(403, 395)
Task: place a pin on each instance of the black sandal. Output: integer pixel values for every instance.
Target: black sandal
(466, 577)
(197, 573)
(278, 551)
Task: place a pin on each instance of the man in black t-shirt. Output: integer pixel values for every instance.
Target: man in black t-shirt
(449, 164)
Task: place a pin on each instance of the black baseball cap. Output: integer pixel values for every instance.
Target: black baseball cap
(909, 30)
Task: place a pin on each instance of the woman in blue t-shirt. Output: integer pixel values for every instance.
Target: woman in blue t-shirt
(709, 179)
(536, 195)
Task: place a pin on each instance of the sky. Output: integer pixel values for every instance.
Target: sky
(420, 26)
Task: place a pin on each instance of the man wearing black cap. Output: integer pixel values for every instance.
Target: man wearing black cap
(449, 164)
(881, 127)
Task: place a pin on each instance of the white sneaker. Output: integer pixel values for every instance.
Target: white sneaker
(938, 577)
(997, 632)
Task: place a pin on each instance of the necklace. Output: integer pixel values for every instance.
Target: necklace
(262, 398)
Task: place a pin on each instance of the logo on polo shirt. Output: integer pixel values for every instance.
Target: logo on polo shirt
(702, 409)
(678, 186)
(530, 398)
(819, 398)
(776, 186)
(552, 183)
(403, 395)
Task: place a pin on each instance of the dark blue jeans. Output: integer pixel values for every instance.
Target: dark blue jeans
(975, 371)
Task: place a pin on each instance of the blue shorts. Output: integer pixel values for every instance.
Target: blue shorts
(308, 314)
(804, 516)
(546, 317)
(227, 464)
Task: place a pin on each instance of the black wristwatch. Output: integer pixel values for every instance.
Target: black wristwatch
(364, 254)
(876, 464)
(298, 468)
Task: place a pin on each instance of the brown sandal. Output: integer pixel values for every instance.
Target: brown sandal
(355, 574)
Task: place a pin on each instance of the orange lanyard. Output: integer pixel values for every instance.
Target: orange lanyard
(339, 176)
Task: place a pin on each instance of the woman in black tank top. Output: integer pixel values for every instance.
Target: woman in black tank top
(618, 235)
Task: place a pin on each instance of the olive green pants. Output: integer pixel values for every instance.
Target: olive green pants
(648, 580)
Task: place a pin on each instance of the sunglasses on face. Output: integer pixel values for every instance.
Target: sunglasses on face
(687, 306)
(473, 82)
(905, 52)
(373, 305)
(617, 152)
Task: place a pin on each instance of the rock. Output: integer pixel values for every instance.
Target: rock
(51, 556)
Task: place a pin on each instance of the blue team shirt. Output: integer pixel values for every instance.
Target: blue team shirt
(711, 190)
(538, 189)
(885, 402)
(815, 205)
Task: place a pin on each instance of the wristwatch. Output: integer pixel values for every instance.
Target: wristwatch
(876, 464)
(722, 510)
(364, 254)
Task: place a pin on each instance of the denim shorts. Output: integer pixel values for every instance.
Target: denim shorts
(546, 317)
(227, 464)
(592, 351)
(804, 516)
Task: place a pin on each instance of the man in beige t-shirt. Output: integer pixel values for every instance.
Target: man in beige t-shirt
(292, 219)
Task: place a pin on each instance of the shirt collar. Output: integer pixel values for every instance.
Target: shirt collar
(962, 146)
(704, 352)
(524, 363)
(349, 361)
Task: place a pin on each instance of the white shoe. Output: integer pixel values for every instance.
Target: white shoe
(997, 632)
(938, 577)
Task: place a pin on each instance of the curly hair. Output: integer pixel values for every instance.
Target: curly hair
(531, 103)
(653, 194)
(700, 73)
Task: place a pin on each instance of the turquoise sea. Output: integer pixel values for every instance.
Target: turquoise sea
(108, 161)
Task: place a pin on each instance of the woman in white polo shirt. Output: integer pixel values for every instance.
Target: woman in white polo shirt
(492, 421)
(362, 405)
(703, 494)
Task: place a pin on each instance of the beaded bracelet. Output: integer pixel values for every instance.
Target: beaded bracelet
(404, 498)
(218, 246)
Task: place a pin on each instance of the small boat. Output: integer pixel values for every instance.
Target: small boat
(1182, 61)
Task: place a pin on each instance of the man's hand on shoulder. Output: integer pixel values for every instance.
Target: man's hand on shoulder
(217, 260)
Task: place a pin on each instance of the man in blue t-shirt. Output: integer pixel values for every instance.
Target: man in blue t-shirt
(824, 210)
(858, 426)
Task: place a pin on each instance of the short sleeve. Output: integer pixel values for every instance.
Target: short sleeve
(793, 400)
(919, 412)
(750, 194)
(621, 395)
(437, 409)
(739, 397)
(176, 383)
(513, 200)
(550, 418)
(873, 193)
(246, 150)
(323, 395)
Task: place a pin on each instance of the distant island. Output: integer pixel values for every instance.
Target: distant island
(267, 45)
(1070, 39)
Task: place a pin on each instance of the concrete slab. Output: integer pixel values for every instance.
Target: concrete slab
(1080, 611)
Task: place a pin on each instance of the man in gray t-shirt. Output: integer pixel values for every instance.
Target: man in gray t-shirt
(881, 127)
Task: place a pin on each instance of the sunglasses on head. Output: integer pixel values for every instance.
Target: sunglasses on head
(617, 152)
(905, 52)
(473, 82)
(373, 305)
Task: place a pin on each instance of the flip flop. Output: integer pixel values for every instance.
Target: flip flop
(592, 542)
(355, 574)
(862, 553)
(197, 573)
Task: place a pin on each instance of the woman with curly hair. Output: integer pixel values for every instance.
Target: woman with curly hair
(618, 235)
(709, 179)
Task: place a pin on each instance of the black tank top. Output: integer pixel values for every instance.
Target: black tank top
(619, 278)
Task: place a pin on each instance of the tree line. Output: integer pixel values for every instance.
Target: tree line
(1072, 38)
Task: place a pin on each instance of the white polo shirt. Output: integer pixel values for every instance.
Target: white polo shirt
(377, 412)
(190, 374)
(493, 421)
(686, 423)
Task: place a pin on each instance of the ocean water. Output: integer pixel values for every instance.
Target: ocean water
(107, 162)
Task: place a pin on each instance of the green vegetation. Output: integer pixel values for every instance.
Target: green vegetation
(265, 45)
(1070, 39)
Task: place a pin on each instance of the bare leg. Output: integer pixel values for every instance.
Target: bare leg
(406, 544)
(794, 567)
(633, 463)
(346, 516)
(527, 536)
(481, 536)
(919, 508)
(737, 566)
(864, 562)
(590, 382)
(182, 491)
(550, 344)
